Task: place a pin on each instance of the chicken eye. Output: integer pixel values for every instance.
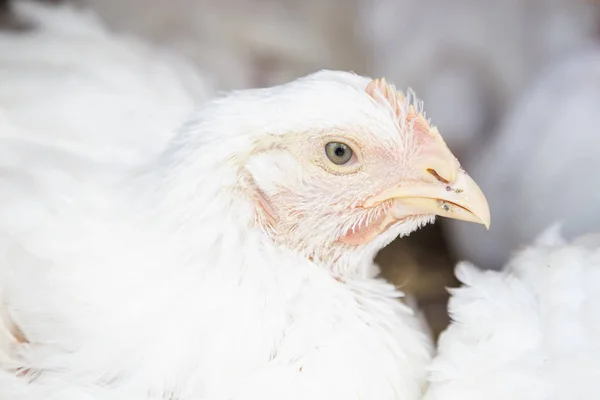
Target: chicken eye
(338, 153)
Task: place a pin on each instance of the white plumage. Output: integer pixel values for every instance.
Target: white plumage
(539, 166)
(70, 82)
(527, 332)
(233, 262)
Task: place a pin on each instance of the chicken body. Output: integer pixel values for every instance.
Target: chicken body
(117, 301)
(527, 332)
(131, 285)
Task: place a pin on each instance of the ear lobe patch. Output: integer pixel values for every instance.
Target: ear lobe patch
(265, 212)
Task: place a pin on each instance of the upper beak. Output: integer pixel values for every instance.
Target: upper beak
(453, 194)
(461, 199)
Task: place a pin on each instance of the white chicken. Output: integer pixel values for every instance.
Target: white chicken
(236, 262)
(529, 332)
(69, 81)
(470, 59)
(540, 163)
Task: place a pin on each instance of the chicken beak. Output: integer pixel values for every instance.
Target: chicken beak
(439, 185)
(460, 199)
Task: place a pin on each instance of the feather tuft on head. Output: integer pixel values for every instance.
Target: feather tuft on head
(408, 109)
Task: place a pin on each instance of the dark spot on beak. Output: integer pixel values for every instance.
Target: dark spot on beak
(437, 176)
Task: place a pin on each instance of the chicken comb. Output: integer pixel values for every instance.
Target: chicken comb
(408, 109)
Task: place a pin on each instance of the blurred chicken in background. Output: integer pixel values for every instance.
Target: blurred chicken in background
(542, 164)
(75, 69)
(245, 43)
(470, 59)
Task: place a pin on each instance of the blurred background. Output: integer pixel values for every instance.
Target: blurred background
(513, 85)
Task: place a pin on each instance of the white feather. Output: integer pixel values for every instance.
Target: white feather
(69, 81)
(528, 332)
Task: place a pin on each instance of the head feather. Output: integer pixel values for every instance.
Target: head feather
(409, 110)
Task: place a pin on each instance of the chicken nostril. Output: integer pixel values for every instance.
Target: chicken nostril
(437, 176)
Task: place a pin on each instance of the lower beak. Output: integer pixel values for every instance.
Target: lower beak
(462, 199)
